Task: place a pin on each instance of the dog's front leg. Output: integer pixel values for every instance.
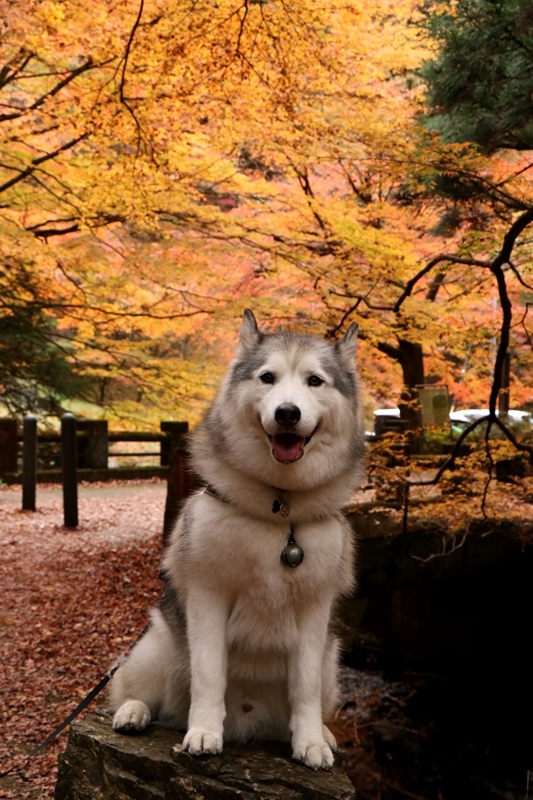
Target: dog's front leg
(206, 633)
(305, 690)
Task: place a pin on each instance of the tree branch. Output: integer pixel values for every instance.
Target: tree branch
(497, 269)
(124, 68)
(22, 174)
(9, 71)
(472, 262)
(89, 64)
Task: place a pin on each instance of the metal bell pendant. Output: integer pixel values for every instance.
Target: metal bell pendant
(292, 554)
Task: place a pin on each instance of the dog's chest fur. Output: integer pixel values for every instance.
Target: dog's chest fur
(239, 558)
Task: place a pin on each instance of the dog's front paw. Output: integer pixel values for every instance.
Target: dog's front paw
(199, 742)
(132, 717)
(329, 738)
(316, 755)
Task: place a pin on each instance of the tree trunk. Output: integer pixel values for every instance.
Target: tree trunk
(412, 363)
(411, 360)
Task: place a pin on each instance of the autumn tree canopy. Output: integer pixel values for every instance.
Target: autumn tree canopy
(162, 165)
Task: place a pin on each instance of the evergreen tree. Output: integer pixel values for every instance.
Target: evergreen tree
(36, 373)
(480, 84)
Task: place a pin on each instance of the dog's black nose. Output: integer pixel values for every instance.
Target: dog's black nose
(287, 414)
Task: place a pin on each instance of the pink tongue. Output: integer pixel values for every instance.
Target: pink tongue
(287, 446)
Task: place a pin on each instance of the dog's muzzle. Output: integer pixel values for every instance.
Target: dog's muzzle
(288, 446)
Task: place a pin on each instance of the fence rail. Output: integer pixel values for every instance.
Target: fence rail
(94, 445)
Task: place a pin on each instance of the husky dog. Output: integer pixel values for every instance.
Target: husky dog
(240, 647)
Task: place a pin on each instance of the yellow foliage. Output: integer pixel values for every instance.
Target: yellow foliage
(165, 164)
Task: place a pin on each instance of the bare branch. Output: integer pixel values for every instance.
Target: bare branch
(124, 68)
(11, 70)
(497, 269)
(22, 174)
(454, 455)
(89, 64)
(302, 175)
(363, 298)
(472, 262)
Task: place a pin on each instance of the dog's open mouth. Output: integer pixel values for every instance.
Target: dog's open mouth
(288, 447)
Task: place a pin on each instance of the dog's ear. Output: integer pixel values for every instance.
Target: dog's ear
(347, 346)
(250, 334)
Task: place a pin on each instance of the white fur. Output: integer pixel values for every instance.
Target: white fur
(255, 659)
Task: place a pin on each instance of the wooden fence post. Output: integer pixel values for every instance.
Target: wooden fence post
(8, 445)
(180, 480)
(93, 449)
(69, 459)
(177, 431)
(29, 462)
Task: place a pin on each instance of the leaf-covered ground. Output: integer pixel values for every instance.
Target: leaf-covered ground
(71, 602)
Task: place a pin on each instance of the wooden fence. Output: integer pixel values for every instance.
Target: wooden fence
(82, 452)
(94, 443)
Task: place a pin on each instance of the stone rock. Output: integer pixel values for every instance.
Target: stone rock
(99, 764)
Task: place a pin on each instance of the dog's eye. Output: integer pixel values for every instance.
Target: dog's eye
(315, 380)
(267, 377)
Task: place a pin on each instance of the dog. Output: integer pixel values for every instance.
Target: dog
(241, 647)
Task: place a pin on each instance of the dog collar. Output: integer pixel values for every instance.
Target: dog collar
(280, 505)
(292, 554)
(212, 491)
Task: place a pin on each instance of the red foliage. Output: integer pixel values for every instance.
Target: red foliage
(72, 602)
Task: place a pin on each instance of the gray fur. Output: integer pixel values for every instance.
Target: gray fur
(329, 354)
(241, 646)
(243, 370)
(172, 608)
